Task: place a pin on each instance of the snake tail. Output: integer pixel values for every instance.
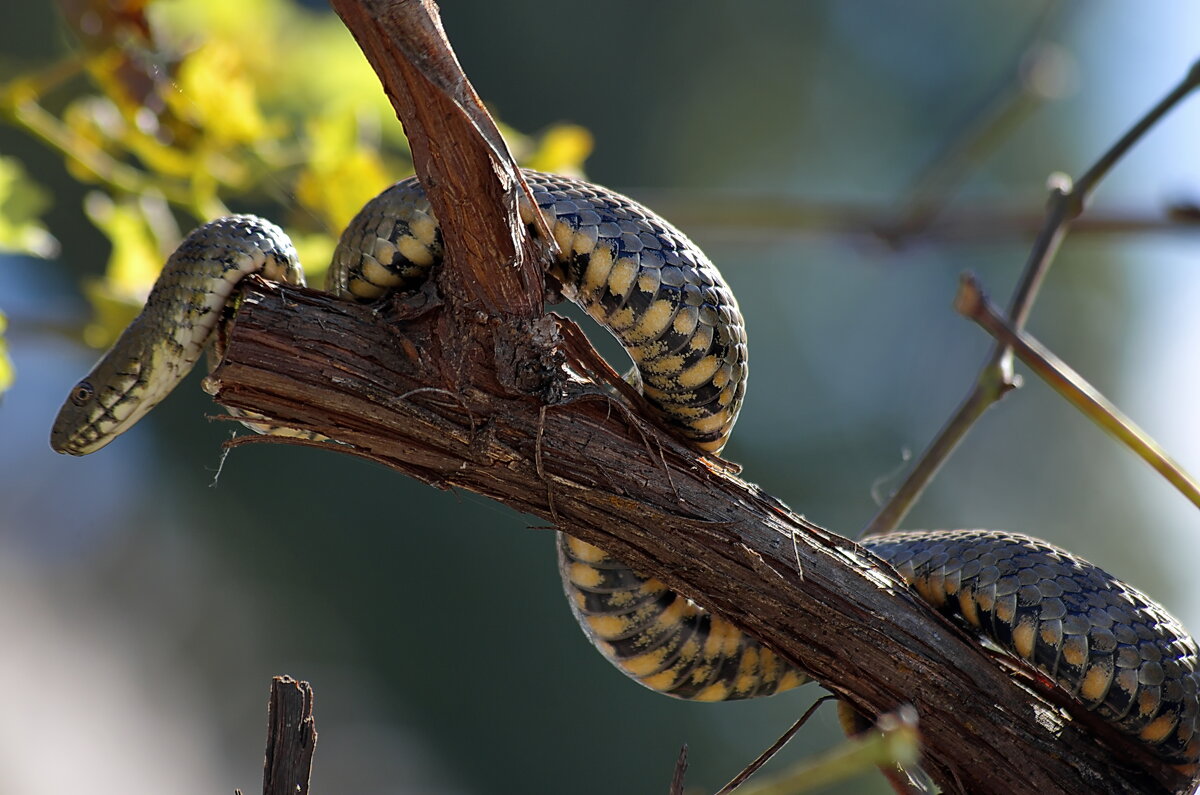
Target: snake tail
(1108, 645)
(164, 342)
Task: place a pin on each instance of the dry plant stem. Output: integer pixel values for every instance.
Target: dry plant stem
(972, 303)
(996, 378)
(758, 219)
(893, 739)
(291, 738)
(408, 49)
(680, 772)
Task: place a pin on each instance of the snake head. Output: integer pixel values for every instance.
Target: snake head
(164, 342)
(112, 397)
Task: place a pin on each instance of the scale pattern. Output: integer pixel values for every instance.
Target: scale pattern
(630, 270)
(1103, 641)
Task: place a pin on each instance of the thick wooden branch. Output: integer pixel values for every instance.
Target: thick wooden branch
(570, 455)
(467, 385)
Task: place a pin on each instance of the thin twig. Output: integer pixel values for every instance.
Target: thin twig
(972, 303)
(996, 378)
(1037, 79)
(766, 756)
(756, 218)
(894, 741)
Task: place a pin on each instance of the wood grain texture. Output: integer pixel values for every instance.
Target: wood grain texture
(291, 738)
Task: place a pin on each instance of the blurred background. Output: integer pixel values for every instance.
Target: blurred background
(145, 602)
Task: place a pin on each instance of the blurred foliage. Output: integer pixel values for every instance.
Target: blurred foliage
(174, 110)
(6, 368)
(21, 204)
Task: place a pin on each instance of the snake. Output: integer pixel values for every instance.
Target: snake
(1109, 646)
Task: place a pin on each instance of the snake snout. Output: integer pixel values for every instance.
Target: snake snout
(110, 399)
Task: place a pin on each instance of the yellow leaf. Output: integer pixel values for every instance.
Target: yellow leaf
(132, 267)
(342, 172)
(111, 312)
(562, 150)
(21, 202)
(315, 252)
(217, 93)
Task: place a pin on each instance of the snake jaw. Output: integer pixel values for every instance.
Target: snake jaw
(107, 402)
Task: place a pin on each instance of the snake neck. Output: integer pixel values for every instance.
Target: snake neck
(166, 340)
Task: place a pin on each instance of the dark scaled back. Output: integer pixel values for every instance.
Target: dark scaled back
(637, 275)
(1103, 641)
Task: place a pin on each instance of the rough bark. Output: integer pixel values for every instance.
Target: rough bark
(467, 385)
(568, 453)
(291, 738)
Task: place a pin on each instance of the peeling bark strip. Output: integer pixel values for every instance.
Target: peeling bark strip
(465, 386)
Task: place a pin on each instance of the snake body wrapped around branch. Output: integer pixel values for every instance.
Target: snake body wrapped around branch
(1109, 646)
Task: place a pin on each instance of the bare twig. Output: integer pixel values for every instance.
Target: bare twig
(680, 772)
(973, 303)
(996, 378)
(893, 741)
(752, 768)
(756, 218)
(1040, 75)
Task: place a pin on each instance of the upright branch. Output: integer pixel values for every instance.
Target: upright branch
(457, 152)
(997, 379)
(464, 385)
(291, 738)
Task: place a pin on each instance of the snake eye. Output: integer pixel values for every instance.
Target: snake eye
(82, 393)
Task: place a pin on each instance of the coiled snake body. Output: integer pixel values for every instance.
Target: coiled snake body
(1111, 647)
